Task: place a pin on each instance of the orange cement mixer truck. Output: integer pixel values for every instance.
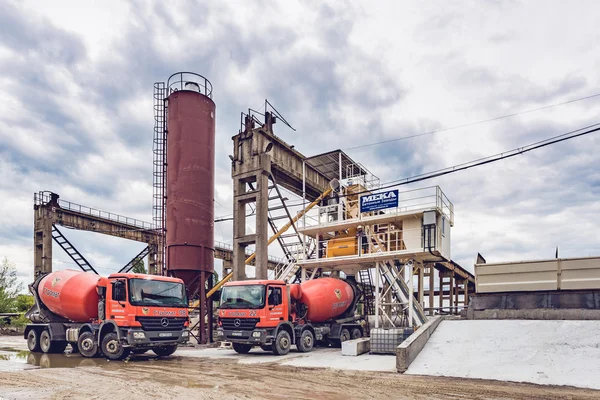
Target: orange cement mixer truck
(111, 316)
(275, 315)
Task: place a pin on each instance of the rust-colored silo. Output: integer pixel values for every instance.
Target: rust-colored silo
(190, 179)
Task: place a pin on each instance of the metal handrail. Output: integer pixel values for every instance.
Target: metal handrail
(179, 80)
(421, 199)
(43, 198)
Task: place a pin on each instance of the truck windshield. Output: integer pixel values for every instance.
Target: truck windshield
(147, 292)
(248, 296)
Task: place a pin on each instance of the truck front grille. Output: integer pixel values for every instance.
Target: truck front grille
(161, 324)
(239, 324)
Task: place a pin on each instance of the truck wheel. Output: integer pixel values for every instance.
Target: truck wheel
(282, 343)
(164, 351)
(49, 346)
(112, 347)
(45, 341)
(344, 335)
(241, 348)
(33, 341)
(356, 333)
(87, 344)
(306, 341)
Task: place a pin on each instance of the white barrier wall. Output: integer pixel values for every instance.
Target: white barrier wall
(554, 274)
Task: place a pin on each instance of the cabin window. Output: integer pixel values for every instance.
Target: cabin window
(274, 298)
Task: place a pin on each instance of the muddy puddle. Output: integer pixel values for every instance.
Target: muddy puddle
(15, 360)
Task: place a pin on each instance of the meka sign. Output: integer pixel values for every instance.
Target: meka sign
(379, 201)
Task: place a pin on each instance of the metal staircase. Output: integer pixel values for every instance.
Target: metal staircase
(290, 271)
(364, 276)
(129, 266)
(285, 272)
(291, 242)
(71, 251)
(278, 211)
(392, 274)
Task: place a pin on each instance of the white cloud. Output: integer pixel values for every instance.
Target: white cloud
(78, 106)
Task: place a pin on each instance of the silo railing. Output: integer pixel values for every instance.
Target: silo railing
(189, 81)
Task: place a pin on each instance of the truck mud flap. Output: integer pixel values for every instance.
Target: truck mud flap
(336, 329)
(57, 331)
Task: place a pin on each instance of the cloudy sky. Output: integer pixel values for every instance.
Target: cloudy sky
(77, 119)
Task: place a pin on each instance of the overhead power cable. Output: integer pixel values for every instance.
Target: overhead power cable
(490, 159)
(473, 123)
(474, 163)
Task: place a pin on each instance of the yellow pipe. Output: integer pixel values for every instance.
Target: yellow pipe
(271, 240)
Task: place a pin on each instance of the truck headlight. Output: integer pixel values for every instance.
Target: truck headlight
(139, 335)
(255, 334)
(185, 334)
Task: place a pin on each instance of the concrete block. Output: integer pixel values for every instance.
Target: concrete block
(408, 350)
(356, 347)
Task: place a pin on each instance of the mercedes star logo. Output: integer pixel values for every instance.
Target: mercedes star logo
(164, 322)
(237, 323)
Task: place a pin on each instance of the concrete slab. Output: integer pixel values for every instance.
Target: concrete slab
(333, 358)
(542, 352)
(318, 358)
(356, 347)
(256, 355)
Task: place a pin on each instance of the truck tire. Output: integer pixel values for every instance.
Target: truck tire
(51, 346)
(356, 333)
(344, 335)
(86, 343)
(241, 348)
(282, 343)
(33, 341)
(164, 351)
(306, 341)
(112, 348)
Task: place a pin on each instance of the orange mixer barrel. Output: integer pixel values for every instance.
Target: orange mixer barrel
(70, 294)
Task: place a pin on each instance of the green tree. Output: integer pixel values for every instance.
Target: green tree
(139, 268)
(9, 286)
(24, 302)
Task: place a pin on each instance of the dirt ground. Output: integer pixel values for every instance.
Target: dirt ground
(174, 377)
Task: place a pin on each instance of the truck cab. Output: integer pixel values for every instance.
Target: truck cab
(145, 309)
(252, 312)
